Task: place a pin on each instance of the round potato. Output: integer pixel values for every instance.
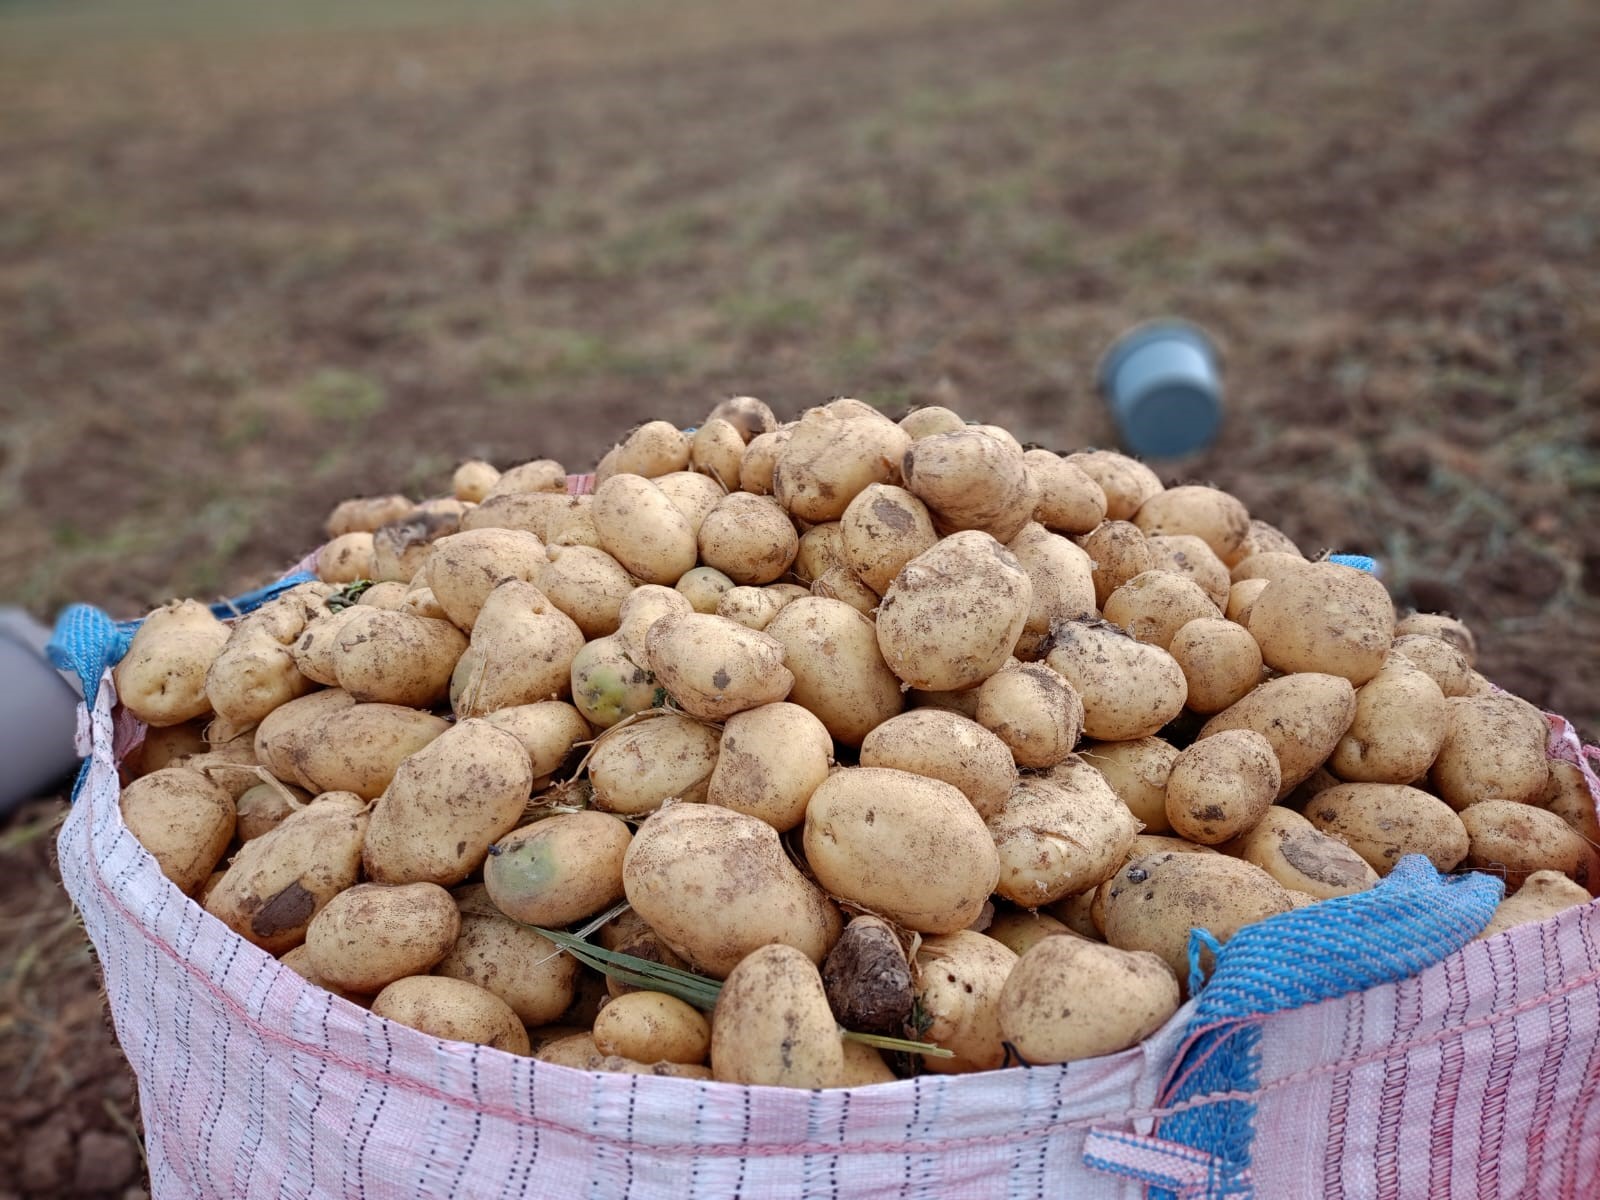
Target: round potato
(839, 671)
(1068, 998)
(368, 936)
(1301, 716)
(1059, 834)
(1301, 857)
(1211, 515)
(831, 458)
(1034, 711)
(1327, 618)
(558, 870)
(1242, 598)
(1069, 500)
(162, 677)
(547, 730)
(704, 588)
(316, 653)
(636, 768)
(1490, 751)
(940, 744)
(961, 976)
(929, 420)
(521, 652)
(509, 959)
(1129, 689)
(396, 658)
(1154, 606)
(693, 494)
(607, 685)
(1062, 576)
(772, 1026)
(653, 1027)
(643, 608)
(749, 416)
(1126, 482)
(1262, 539)
(452, 1010)
(1221, 786)
(752, 607)
(1542, 895)
(365, 514)
(588, 585)
(971, 481)
(821, 549)
(1019, 929)
(267, 805)
(1186, 555)
(717, 450)
(750, 539)
(1137, 771)
(1400, 725)
(541, 475)
(714, 667)
(183, 819)
(1437, 659)
(643, 529)
(760, 460)
(654, 448)
(881, 530)
(472, 480)
(1220, 661)
(334, 745)
(1383, 822)
(1515, 840)
(1269, 565)
(1444, 627)
(1120, 552)
(346, 559)
(769, 762)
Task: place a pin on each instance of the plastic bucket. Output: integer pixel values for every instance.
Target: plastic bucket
(1164, 389)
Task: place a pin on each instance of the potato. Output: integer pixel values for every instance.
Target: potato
(1567, 795)
(654, 448)
(1221, 786)
(1154, 901)
(1129, 689)
(1491, 751)
(1326, 618)
(769, 761)
(390, 595)
(830, 458)
(717, 449)
(1242, 598)
(863, 1066)
(840, 583)
(716, 884)
(607, 685)
(573, 525)
(346, 559)
(547, 730)
(365, 514)
(821, 549)
(951, 617)
(1068, 998)
(929, 420)
(558, 870)
(1077, 914)
(752, 607)
(629, 934)
(1301, 857)
(867, 977)
(971, 481)
(691, 494)
(1186, 555)
(1059, 834)
(452, 1010)
(748, 538)
(651, 1027)
(1437, 659)
(772, 1026)
(944, 745)
(316, 651)
(839, 672)
(421, 602)
(1154, 606)
(370, 935)
(263, 806)
(714, 667)
(748, 416)
(343, 747)
(401, 548)
(1211, 515)
(1034, 711)
(1118, 551)
(168, 746)
(509, 959)
(1069, 500)
(586, 584)
(883, 529)
(535, 513)
(521, 652)
(1400, 724)
(298, 960)
(181, 818)
(442, 506)
(1126, 482)
(1383, 822)
(1515, 840)
(395, 658)
(540, 475)
(643, 529)
(254, 671)
(575, 1050)
(162, 677)
(760, 459)
(1220, 661)
(1062, 576)
(704, 588)
(1269, 565)
(1301, 716)
(958, 994)
(465, 567)
(447, 804)
(643, 608)
(1446, 628)
(1137, 771)
(637, 767)
(1542, 895)
(1018, 929)
(473, 479)
(908, 848)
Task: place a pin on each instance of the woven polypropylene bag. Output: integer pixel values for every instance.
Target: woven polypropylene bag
(1477, 1075)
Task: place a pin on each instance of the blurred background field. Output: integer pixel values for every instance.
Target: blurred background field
(255, 258)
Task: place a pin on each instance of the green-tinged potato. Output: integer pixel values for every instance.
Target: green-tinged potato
(536, 513)
(265, 806)
(368, 936)
(540, 475)
(1059, 834)
(769, 762)
(1069, 500)
(1221, 786)
(940, 744)
(558, 870)
(1242, 598)
(1400, 725)
(168, 746)
(831, 457)
(643, 529)
(521, 652)
(1126, 482)
(863, 1066)
(184, 820)
(1542, 895)
(1062, 576)
(867, 977)
(1154, 606)
(1383, 822)
(1137, 771)
(1129, 689)
(839, 583)
(714, 667)
(1154, 901)
(717, 450)
(839, 672)
(1208, 513)
(607, 685)
(1301, 716)
(760, 459)
(465, 567)
(447, 804)
(1567, 795)
(908, 848)
(1269, 565)
(951, 617)
(1444, 627)
(749, 417)
(748, 538)
(547, 730)
(654, 448)
(636, 768)
(971, 480)
(752, 607)
(1515, 840)
(254, 671)
(574, 524)
(316, 652)
(575, 1050)
(279, 881)
(643, 608)
(390, 595)
(1491, 751)
(1018, 929)
(1220, 661)
(821, 549)
(355, 748)
(704, 588)
(588, 585)
(401, 548)
(1068, 998)
(298, 960)
(651, 1027)
(1119, 551)
(1034, 711)
(1076, 913)
(365, 514)
(716, 884)
(932, 419)
(346, 558)
(1437, 659)
(772, 1026)
(473, 479)
(395, 658)
(883, 529)
(452, 1010)
(1186, 555)
(162, 678)
(1327, 618)
(1301, 857)
(693, 494)
(958, 995)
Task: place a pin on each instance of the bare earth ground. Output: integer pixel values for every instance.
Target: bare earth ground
(246, 270)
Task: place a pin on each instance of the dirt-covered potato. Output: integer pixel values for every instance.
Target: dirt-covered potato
(1221, 786)
(1220, 661)
(1491, 751)
(643, 608)
(576, 1050)
(183, 819)
(1019, 929)
(717, 449)
(830, 458)
(395, 658)
(629, 934)
(509, 959)
(1400, 725)
(547, 730)
(752, 607)
(1212, 515)
(453, 1010)
(1301, 716)
(1119, 551)
(772, 1026)
(608, 686)
(573, 525)
(1129, 689)
(162, 677)
(867, 977)
(1444, 627)
(1269, 565)
(1187, 555)
(558, 870)
(1242, 598)
(1059, 833)
(748, 538)
(168, 746)
(1069, 500)
(346, 558)
(401, 548)
(1154, 606)
(668, 757)
(1137, 771)
(694, 495)
(749, 417)
(473, 479)
(1062, 576)
(537, 513)
(326, 743)
(643, 529)
(960, 978)
(1068, 998)
(1126, 482)
(1034, 711)
(821, 549)
(910, 848)
(254, 672)
(317, 650)
(1383, 822)
(839, 671)
(704, 588)
(714, 667)
(760, 459)
(1515, 840)
(1437, 659)
(1263, 538)
(1568, 796)
(716, 884)
(265, 806)
(1154, 901)
(586, 584)
(651, 1027)
(521, 652)
(931, 419)
(279, 881)
(654, 448)
(971, 480)
(540, 475)
(880, 531)
(1327, 618)
(365, 514)
(368, 936)
(1301, 857)
(839, 583)
(940, 744)
(465, 567)
(1542, 895)
(769, 762)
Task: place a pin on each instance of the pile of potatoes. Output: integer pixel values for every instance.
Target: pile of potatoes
(886, 728)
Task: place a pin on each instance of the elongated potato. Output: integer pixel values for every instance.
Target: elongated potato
(717, 449)
(750, 539)
(1069, 500)
(829, 459)
(1062, 576)
(944, 745)
(162, 678)
(881, 530)
(364, 514)
(643, 529)
(1211, 515)
(1137, 771)
(1301, 857)
(1126, 482)
(1129, 689)
(558, 870)
(1220, 661)
(760, 459)
(1034, 711)
(1154, 606)
(540, 475)
(931, 419)
(1242, 598)
(653, 1027)
(368, 936)
(538, 513)
(1490, 751)
(1542, 895)
(1069, 998)
(396, 658)
(1400, 725)
(1019, 930)
(636, 768)
(769, 762)
(1569, 798)
(1301, 716)
(654, 448)
(1268, 565)
(184, 820)
(772, 1026)
(821, 549)
(714, 667)
(1221, 786)
(1119, 552)
(521, 652)
(1325, 617)
(547, 730)
(958, 997)
(509, 959)
(1515, 840)
(453, 1010)
(588, 585)
(1059, 834)
(344, 747)
(839, 671)
(752, 607)
(643, 608)
(1383, 822)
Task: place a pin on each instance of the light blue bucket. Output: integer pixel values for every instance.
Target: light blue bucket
(1162, 382)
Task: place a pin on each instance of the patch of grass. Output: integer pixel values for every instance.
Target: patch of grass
(334, 394)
